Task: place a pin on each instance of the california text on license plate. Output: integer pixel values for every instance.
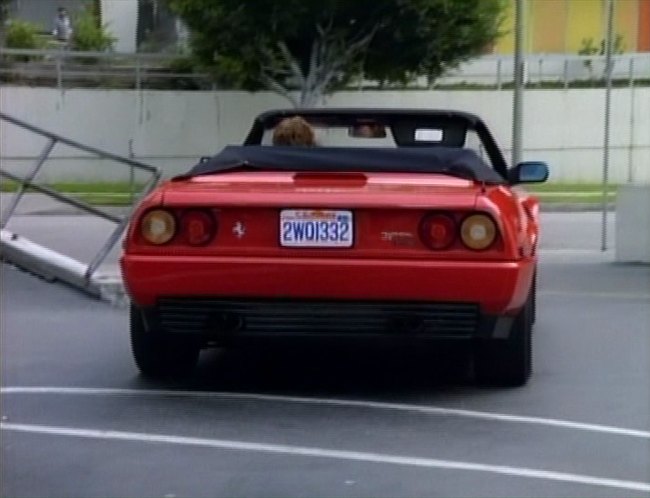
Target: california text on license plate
(316, 228)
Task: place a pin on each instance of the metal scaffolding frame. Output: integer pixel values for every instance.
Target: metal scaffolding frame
(46, 262)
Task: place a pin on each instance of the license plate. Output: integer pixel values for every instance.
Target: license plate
(316, 228)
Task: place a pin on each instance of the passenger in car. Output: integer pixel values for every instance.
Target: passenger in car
(294, 131)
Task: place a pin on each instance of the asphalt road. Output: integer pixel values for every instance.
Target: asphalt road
(77, 419)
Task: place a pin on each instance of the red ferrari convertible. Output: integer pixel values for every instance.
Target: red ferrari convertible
(398, 223)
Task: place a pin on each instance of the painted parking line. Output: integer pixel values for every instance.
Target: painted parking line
(407, 408)
(316, 452)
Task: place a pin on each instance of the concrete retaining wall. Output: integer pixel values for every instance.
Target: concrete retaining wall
(633, 224)
(172, 130)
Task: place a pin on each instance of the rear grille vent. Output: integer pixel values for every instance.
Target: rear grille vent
(305, 318)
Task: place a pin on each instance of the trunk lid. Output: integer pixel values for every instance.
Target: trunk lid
(383, 211)
(318, 189)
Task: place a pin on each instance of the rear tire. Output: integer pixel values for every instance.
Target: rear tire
(507, 362)
(157, 354)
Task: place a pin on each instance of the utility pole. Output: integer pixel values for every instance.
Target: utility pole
(517, 105)
(608, 94)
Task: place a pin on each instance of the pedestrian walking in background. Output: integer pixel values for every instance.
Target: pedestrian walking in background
(62, 27)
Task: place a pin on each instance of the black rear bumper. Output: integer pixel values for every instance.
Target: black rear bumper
(220, 320)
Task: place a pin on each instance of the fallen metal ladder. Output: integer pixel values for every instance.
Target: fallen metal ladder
(48, 263)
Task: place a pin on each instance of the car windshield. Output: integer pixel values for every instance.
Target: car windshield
(367, 133)
(346, 136)
(451, 161)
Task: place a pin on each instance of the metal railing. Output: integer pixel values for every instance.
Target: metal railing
(542, 71)
(27, 183)
(67, 68)
(563, 70)
(61, 68)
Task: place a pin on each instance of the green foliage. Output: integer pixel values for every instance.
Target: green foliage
(183, 67)
(589, 47)
(22, 34)
(433, 36)
(88, 34)
(258, 44)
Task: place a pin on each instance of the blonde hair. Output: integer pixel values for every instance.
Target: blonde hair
(293, 131)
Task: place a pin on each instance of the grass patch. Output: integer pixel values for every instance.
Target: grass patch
(97, 187)
(94, 193)
(127, 188)
(572, 193)
(569, 187)
(81, 187)
(122, 193)
(107, 199)
(570, 198)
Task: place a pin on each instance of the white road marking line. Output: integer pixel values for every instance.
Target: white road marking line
(430, 410)
(326, 453)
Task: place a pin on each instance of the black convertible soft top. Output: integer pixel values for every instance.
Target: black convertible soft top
(463, 163)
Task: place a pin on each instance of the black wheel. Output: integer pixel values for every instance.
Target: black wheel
(157, 354)
(507, 362)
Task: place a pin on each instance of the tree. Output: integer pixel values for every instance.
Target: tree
(317, 46)
(89, 34)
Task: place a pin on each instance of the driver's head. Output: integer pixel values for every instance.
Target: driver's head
(293, 131)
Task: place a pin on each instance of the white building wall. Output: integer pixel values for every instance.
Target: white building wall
(172, 129)
(120, 18)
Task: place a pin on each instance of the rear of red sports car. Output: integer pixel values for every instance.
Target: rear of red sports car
(338, 250)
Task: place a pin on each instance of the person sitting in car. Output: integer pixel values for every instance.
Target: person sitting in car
(294, 131)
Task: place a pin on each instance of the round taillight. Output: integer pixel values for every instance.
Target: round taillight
(438, 231)
(158, 227)
(198, 227)
(478, 232)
